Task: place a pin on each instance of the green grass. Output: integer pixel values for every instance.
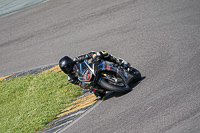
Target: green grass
(28, 103)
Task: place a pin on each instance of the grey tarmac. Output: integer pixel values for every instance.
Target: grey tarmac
(161, 38)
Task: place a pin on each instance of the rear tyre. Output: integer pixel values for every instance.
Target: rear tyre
(103, 83)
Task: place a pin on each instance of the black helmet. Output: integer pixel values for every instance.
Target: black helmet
(66, 64)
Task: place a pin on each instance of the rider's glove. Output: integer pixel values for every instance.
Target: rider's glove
(123, 63)
(119, 62)
(127, 65)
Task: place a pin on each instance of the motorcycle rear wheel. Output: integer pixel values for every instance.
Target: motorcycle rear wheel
(110, 87)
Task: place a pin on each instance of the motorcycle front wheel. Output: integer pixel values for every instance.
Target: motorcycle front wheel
(136, 74)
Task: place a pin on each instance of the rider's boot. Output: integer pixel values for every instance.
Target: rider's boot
(99, 93)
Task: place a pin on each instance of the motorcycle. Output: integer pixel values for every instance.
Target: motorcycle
(107, 75)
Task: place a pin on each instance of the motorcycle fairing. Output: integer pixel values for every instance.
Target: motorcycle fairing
(83, 72)
(106, 66)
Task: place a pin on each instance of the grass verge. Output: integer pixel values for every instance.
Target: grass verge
(28, 103)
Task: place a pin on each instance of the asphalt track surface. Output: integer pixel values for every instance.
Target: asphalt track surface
(161, 38)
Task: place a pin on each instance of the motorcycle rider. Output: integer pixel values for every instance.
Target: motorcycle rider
(66, 64)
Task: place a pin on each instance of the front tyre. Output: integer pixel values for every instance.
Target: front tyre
(136, 74)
